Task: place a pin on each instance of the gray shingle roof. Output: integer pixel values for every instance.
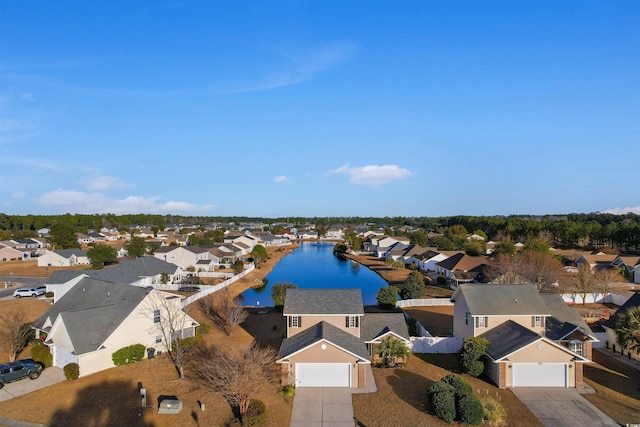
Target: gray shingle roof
(323, 301)
(324, 331)
(508, 337)
(564, 319)
(92, 310)
(514, 300)
(373, 325)
(66, 253)
(631, 302)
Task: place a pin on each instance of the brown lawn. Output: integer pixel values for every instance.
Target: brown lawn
(31, 269)
(401, 396)
(438, 320)
(617, 388)
(110, 398)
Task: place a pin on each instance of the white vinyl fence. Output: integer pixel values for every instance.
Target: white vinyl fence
(208, 290)
(423, 302)
(435, 344)
(575, 298)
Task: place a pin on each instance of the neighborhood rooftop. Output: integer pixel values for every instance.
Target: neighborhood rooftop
(323, 301)
(508, 300)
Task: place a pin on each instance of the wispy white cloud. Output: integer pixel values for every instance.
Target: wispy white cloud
(373, 175)
(299, 68)
(82, 202)
(104, 182)
(37, 164)
(281, 179)
(622, 211)
(18, 195)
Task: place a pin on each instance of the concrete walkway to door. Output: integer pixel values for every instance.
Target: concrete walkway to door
(322, 407)
(556, 406)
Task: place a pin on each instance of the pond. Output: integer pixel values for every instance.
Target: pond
(313, 265)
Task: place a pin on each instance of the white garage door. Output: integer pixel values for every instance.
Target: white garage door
(323, 374)
(539, 375)
(62, 357)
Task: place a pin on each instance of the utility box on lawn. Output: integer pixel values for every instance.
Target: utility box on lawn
(170, 406)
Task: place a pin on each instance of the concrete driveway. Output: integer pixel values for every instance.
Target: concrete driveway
(559, 407)
(48, 377)
(322, 407)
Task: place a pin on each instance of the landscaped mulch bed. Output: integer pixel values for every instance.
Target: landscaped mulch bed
(401, 396)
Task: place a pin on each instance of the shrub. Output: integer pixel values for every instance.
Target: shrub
(129, 354)
(413, 287)
(48, 294)
(493, 411)
(461, 387)
(473, 348)
(41, 353)
(470, 410)
(288, 390)
(444, 402)
(255, 414)
(71, 371)
(387, 297)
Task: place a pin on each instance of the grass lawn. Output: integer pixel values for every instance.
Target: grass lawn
(617, 388)
(31, 269)
(401, 396)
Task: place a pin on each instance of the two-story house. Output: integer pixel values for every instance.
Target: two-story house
(330, 340)
(534, 339)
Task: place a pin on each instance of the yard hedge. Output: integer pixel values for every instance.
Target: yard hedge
(443, 401)
(130, 354)
(71, 371)
(41, 353)
(452, 398)
(470, 410)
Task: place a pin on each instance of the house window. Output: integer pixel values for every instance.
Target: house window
(576, 347)
(156, 316)
(537, 321)
(466, 318)
(158, 339)
(295, 321)
(352, 321)
(482, 321)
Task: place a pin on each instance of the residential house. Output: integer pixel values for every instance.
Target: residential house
(427, 260)
(534, 339)
(84, 239)
(182, 256)
(610, 327)
(96, 318)
(598, 261)
(307, 235)
(8, 253)
(626, 263)
(245, 241)
(460, 268)
(64, 258)
(330, 340)
(379, 245)
(334, 234)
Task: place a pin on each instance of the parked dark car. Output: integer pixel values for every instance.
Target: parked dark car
(15, 371)
(189, 289)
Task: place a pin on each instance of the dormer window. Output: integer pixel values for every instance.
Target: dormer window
(352, 321)
(576, 346)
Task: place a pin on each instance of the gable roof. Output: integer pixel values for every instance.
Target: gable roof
(564, 319)
(324, 331)
(92, 310)
(66, 253)
(323, 301)
(461, 261)
(374, 325)
(508, 337)
(515, 300)
(634, 301)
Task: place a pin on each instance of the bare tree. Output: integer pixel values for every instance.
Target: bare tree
(584, 281)
(223, 311)
(605, 278)
(236, 375)
(533, 267)
(15, 333)
(173, 325)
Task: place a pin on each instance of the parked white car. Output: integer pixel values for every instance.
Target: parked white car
(28, 292)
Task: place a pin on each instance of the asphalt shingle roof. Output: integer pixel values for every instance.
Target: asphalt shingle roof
(92, 310)
(323, 301)
(564, 319)
(373, 325)
(324, 331)
(514, 300)
(508, 337)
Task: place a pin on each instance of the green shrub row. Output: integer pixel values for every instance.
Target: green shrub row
(452, 398)
(126, 355)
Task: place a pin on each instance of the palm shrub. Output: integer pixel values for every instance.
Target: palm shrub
(392, 349)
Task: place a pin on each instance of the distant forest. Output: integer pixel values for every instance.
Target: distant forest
(588, 231)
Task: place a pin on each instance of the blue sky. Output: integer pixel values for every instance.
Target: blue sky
(319, 108)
